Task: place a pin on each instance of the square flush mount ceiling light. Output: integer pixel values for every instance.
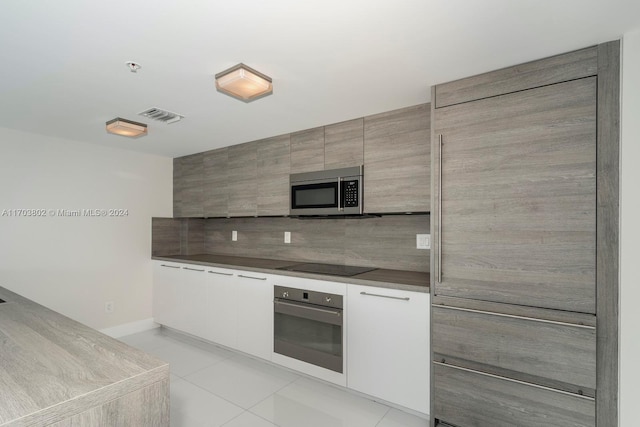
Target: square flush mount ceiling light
(128, 128)
(244, 83)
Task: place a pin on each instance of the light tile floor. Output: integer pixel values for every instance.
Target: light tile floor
(212, 386)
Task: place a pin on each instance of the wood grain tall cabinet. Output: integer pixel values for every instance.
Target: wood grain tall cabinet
(524, 263)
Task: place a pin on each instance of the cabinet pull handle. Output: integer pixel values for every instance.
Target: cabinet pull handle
(251, 277)
(440, 209)
(385, 296)
(193, 269)
(218, 272)
(168, 266)
(514, 316)
(512, 380)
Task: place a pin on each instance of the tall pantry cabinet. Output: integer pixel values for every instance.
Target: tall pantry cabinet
(524, 264)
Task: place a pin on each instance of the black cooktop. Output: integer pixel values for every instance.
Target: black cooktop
(329, 269)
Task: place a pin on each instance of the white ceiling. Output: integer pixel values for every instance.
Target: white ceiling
(63, 67)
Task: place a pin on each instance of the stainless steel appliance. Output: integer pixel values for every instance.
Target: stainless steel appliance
(307, 326)
(330, 192)
(330, 269)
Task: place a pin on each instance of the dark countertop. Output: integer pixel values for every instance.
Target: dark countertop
(383, 278)
(52, 367)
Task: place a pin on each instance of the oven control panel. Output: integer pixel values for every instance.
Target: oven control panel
(309, 297)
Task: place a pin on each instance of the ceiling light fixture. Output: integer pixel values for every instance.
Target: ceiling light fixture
(244, 83)
(128, 128)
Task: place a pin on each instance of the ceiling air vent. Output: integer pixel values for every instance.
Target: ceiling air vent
(161, 115)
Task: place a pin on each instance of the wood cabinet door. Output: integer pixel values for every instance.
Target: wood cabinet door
(465, 397)
(549, 353)
(517, 221)
(397, 161)
(187, 186)
(307, 150)
(215, 191)
(242, 179)
(177, 187)
(344, 144)
(273, 176)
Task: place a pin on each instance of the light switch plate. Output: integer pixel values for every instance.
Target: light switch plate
(287, 237)
(423, 241)
(234, 236)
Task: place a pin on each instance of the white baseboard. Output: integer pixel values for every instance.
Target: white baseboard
(130, 328)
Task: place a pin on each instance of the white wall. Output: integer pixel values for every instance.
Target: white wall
(630, 233)
(75, 264)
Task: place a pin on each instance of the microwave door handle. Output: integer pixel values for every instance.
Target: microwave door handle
(340, 209)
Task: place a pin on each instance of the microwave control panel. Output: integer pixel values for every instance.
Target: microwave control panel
(350, 191)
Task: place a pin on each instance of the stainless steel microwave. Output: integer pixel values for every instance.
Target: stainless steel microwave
(328, 192)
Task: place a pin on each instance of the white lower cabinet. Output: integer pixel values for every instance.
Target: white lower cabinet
(388, 342)
(222, 312)
(193, 309)
(254, 298)
(167, 293)
(387, 331)
(230, 307)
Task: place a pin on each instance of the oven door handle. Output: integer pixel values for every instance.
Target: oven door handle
(333, 317)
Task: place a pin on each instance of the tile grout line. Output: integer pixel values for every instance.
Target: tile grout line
(383, 416)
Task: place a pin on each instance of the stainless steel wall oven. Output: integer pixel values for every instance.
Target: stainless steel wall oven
(308, 326)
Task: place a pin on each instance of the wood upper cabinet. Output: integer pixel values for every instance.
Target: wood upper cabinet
(215, 191)
(242, 179)
(518, 190)
(252, 179)
(187, 186)
(273, 176)
(397, 161)
(334, 146)
(307, 150)
(344, 144)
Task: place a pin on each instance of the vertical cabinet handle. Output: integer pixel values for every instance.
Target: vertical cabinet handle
(440, 209)
(340, 209)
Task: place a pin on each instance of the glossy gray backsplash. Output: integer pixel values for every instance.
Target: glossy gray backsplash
(385, 242)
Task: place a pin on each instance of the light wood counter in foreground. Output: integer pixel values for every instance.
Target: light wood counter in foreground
(56, 371)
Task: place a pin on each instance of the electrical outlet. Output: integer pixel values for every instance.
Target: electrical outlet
(108, 307)
(423, 241)
(287, 237)
(234, 236)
